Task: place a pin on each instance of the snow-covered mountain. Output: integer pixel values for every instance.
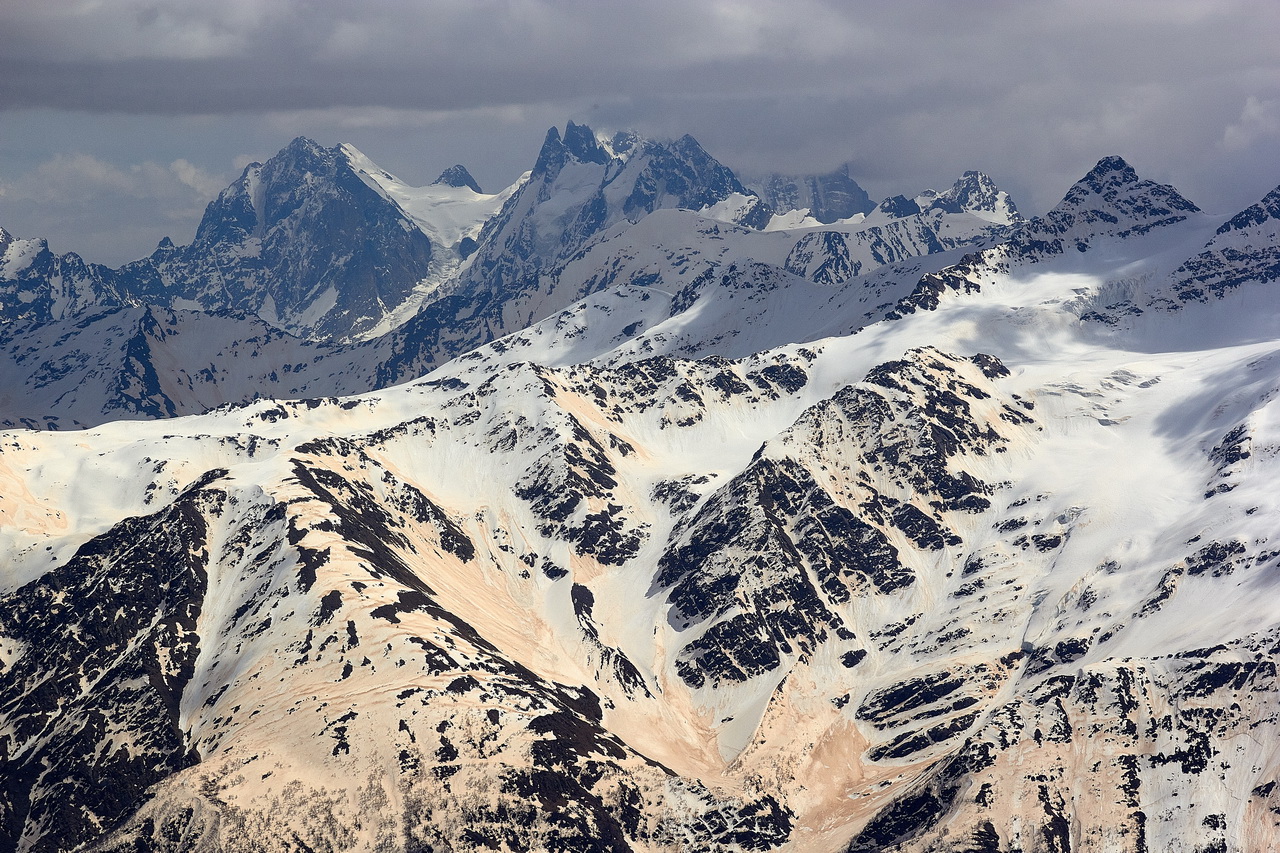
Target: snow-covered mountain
(593, 214)
(579, 188)
(319, 242)
(37, 286)
(151, 362)
(826, 198)
(681, 544)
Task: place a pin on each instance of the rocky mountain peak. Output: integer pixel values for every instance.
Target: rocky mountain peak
(457, 176)
(1111, 169)
(1243, 252)
(898, 206)
(1111, 200)
(1113, 185)
(300, 240)
(975, 192)
(624, 141)
(1258, 214)
(578, 143)
(551, 157)
(1107, 178)
(581, 143)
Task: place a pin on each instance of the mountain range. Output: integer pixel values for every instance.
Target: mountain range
(637, 507)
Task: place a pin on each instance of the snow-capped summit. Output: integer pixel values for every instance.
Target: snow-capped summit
(578, 189)
(319, 242)
(578, 143)
(1264, 214)
(895, 207)
(302, 241)
(974, 193)
(1112, 199)
(458, 176)
(37, 286)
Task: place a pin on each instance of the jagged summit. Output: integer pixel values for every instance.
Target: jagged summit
(1111, 201)
(623, 141)
(581, 143)
(972, 193)
(301, 240)
(975, 192)
(578, 143)
(317, 241)
(897, 206)
(457, 176)
(37, 286)
(306, 146)
(1109, 172)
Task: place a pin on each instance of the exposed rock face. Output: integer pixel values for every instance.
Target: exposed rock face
(975, 193)
(276, 246)
(37, 286)
(150, 362)
(299, 240)
(100, 652)
(305, 241)
(973, 211)
(458, 176)
(1109, 202)
(578, 189)
(769, 558)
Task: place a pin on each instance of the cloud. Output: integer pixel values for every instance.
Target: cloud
(105, 212)
(184, 57)
(911, 93)
(84, 179)
(204, 184)
(1259, 119)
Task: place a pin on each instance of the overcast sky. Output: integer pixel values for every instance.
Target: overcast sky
(121, 119)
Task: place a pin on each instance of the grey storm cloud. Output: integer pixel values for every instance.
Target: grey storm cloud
(910, 93)
(199, 58)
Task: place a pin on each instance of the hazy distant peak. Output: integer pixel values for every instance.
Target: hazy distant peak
(458, 176)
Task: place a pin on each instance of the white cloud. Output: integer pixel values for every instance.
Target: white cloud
(1259, 119)
(912, 92)
(204, 184)
(108, 212)
(80, 178)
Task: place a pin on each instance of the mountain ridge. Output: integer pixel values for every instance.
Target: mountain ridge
(664, 532)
